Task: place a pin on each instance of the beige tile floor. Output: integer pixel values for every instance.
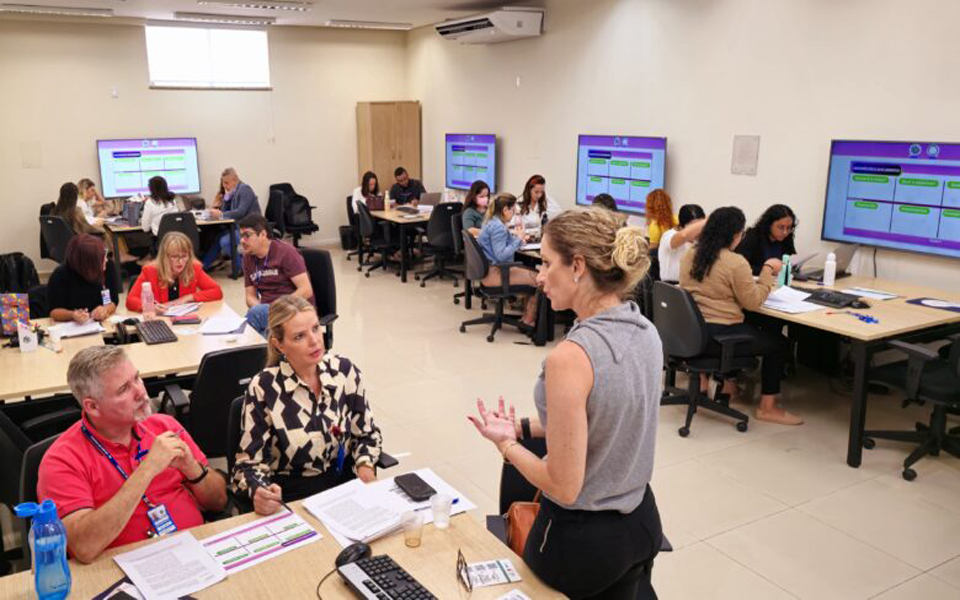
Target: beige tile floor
(771, 513)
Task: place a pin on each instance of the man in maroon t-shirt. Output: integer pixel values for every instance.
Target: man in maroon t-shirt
(271, 268)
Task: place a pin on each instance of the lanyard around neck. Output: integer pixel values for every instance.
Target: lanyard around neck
(116, 465)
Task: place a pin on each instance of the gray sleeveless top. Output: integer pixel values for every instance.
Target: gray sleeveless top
(622, 410)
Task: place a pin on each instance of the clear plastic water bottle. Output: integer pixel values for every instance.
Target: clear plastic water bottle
(146, 298)
(48, 543)
(830, 270)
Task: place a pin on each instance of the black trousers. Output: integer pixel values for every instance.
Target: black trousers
(596, 554)
(768, 343)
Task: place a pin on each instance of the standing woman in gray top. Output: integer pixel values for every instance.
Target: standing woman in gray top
(598, 397)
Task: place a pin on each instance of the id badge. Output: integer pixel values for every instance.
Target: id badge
(105, 297)
(161, 520)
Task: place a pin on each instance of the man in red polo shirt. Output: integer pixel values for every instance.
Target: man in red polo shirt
(120, 474)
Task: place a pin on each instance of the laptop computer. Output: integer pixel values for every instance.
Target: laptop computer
(844, 254)
(431, 198)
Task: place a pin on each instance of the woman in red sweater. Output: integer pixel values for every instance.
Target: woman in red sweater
(175, 277)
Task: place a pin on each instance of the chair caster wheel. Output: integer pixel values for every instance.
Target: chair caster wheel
(490, 338)
(684, 431)
(869, 444)
(909, 474)
(742, 426)
(366, 274)
(359, 268)
(456, 300)
(416, 278)
(463, 329)
(423, 284)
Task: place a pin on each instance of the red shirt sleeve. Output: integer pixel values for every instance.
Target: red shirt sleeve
(133, 298)
(149, 275)
(206, 288)
(63, 480)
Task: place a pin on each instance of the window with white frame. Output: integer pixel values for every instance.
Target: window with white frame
(201, 57)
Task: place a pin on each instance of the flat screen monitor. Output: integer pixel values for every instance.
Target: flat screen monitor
(902, 195)
(628, 168)
(127, 165)
(469, 157)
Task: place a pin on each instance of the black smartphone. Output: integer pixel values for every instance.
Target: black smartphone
(415, 487)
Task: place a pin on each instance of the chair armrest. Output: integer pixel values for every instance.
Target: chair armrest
(505, 273)
(728, 347)
(327, 320)
(64, 416)
(386, 461)
(175, 394)
(917, 357)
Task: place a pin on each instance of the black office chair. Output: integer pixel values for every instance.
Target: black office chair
(234, 433)
(440, 243)
(39, 302)
(378, 239)
(222, 376)
(926, 376)
(685, 343)
(45, 210)
(290, 212)
(320, 270)
(185, 223)
(477, 268)
(355, 227)
(29, 477)
(56, 233)
(456, 224)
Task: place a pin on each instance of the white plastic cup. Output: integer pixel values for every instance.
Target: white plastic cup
(441, 505)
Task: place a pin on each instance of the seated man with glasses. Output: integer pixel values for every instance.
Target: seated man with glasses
(770, 237)
(271, 268)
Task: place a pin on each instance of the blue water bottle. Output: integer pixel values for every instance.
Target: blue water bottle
(48, 543)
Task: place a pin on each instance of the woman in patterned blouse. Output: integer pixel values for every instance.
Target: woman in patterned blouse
(306, 424)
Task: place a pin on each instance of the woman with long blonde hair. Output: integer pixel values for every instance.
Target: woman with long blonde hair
(175, 277)
(306, 425)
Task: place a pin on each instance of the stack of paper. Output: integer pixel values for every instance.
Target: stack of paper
(533, 246)
(170, 567)
(252, 543)
(181, 309)
(224, 322)
(72, 329)
(868, 293)
(788, 300)
(355, 511)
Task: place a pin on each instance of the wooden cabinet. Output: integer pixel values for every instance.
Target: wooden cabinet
(388, 136)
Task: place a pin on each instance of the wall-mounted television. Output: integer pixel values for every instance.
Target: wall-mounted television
(469, 157)
(902, 195)
(127, 165)
(626, 167)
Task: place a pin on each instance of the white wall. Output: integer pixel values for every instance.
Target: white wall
(796, 72)
(55, 82)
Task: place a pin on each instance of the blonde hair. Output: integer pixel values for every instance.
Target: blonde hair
(496, 205)
(616, 254)
(282, 310)
(174, 241)
(85, 184)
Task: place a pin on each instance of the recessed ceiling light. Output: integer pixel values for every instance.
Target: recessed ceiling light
(64, 11)
(223, 19)
(291, 5)
(369, 25)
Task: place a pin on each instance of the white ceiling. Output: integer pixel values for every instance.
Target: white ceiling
(416, 12)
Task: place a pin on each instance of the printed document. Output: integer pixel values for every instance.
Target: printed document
(171, 567)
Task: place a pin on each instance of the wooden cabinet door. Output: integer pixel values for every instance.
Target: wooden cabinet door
(383, 117)
(408, 137)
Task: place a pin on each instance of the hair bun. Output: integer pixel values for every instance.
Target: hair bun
(630, 250)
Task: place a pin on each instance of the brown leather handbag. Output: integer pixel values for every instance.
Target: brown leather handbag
(520, 517)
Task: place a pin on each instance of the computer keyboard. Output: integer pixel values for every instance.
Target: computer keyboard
(379, 578)
(830, 298)
(155, 332)
(410, 210)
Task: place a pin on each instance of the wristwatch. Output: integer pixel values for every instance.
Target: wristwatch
(203, 473)
(525, 428)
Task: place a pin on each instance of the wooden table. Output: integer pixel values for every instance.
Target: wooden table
(897, 320)
(403, 220)
(45, 372)
(119, 228)
(296, 573)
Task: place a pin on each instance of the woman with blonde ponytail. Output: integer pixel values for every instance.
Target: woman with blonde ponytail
(306, 424)
(598, 529)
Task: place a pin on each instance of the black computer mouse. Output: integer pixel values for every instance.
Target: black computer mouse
(860, 304)
(130, 321)
(352, 553)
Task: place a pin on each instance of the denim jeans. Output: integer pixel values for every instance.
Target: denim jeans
(257, 317)
(221, 246)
